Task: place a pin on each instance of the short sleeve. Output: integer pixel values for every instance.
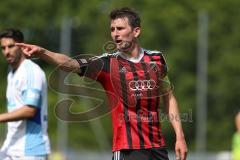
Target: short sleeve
(93, 67)
(164, 65)
(165, 83)
(32, 96)
(35, 81)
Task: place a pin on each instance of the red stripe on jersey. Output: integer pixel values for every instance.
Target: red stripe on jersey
(146, 58)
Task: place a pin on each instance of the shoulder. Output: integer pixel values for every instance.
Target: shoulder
(33, 69)
(32, 64)
(153, 52)
(156, 53)
(236, 137)
(104, 56)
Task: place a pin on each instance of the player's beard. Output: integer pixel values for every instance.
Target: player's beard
(125, 46)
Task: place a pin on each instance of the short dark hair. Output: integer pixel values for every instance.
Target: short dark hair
(133, 17)
(15, 34)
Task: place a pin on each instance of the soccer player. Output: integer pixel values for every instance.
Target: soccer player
(138, 78)
(27, 137)
(236, 139)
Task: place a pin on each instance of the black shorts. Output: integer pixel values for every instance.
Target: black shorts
(141, 154)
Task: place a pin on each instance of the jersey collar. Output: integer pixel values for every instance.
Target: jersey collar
(132, 59)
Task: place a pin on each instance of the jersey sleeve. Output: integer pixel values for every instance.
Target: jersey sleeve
(34, 83)
(164, 66)
(93, 67)
(160, 60)
(165, 83)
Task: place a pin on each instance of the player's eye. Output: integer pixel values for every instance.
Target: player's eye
(11, 46)
(119, 28)
(112, 29)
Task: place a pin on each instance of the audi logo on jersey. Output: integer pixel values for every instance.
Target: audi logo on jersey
(141, 85)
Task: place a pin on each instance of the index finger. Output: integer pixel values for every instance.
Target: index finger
(21, 44)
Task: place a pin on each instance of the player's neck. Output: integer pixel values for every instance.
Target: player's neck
(134, 52)
(16, 66)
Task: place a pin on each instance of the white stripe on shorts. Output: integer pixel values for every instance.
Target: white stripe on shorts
(116, 155)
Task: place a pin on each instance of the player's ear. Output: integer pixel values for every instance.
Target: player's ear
(136, 31)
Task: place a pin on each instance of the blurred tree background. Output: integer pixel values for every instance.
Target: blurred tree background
(169, 26)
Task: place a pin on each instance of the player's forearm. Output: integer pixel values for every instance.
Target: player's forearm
(18, 114)
(64, 62)
(174, 115)
(177, 126)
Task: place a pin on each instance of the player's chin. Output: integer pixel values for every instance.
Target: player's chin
(125, 46)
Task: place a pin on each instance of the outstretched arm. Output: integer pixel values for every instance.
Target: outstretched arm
(172, 110)
(64, 62)
(24, 112)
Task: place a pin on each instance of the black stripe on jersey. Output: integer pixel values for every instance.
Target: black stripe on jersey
(138, 107)
(125, 100)
(157, 103)
(149, 102)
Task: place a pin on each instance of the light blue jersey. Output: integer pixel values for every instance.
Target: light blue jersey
(27, 86)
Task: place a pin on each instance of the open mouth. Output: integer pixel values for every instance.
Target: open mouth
(118, 41)
(123, 45)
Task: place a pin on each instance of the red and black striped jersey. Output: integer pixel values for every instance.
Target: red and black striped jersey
(138, 87)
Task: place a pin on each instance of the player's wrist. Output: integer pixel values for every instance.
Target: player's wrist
(180, 136)
(42, 51)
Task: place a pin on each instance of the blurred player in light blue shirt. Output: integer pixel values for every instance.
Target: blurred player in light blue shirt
(27, 137)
